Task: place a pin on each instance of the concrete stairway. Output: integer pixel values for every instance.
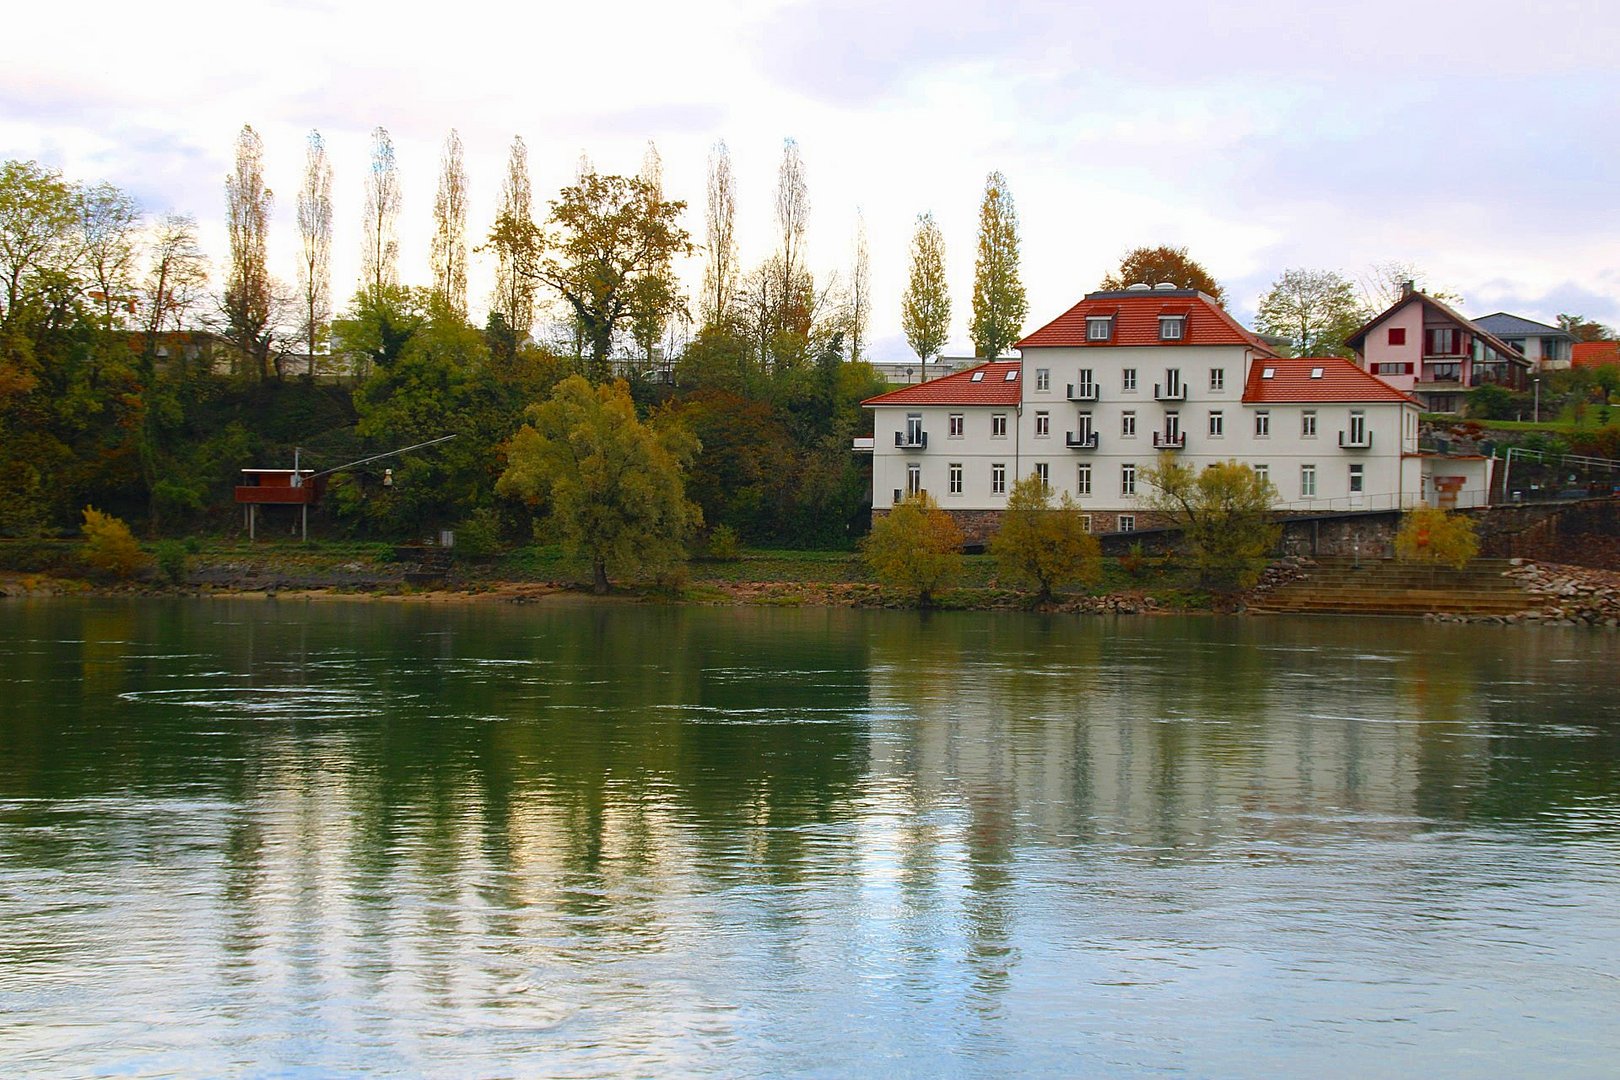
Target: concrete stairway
(1341, 586)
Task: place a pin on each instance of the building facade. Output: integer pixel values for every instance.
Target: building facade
(1423, 347)
(1545, 348)
(1125, 376)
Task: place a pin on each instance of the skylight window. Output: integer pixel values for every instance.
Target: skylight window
(1316, 373)
(978, 376)
(1013, 374)
(1268, 373)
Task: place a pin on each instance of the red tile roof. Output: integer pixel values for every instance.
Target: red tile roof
(991, 388)
(1595, 353)
(1291, 380)
(1136, 321)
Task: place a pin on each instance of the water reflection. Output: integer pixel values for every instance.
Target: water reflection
(437, 841)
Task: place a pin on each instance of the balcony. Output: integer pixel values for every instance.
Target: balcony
(1355, 440)
(1083, 392)
(1176, 392)
(911, 440)
(1080, 440)
(1169, 440)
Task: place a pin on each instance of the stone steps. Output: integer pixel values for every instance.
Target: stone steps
(1385, 587)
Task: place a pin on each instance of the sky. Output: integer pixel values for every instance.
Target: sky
(1478, 141)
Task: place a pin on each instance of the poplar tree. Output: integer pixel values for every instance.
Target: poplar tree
(999, 304)
(379, 260)
(247, 285)
(860, 291)
(655, 295)
(720, 242)
(315, 235)
(449, 253)
(925, 306)
(514, 291)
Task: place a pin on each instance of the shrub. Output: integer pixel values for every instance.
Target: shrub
(479, 536)
(724, 545)
(109, 546)
(1043, 546)
(915, 547)
(173, 560)
(1435, 537)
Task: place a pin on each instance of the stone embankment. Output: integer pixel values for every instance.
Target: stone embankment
(1561, 595)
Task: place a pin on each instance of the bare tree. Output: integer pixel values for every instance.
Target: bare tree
(860, 291)
(315, 234)
(379, 261)
(247, 299)
(176, 276)
(450, 229)
(720, 272)
(108, 223)
(514, 294)
(655, 298)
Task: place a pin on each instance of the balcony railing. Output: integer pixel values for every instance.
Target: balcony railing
(1080, 440)
(1178, 392)
(1351, 440)
(911, 440)
(1083, 392)
(1165, 440)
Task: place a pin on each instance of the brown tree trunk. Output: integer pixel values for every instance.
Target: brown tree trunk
(599, 579)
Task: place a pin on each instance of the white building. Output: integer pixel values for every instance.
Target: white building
(1121, 377)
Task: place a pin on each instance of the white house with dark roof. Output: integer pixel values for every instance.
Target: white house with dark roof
(1123, 376)
(1546, 348)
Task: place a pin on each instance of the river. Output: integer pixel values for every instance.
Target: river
(327, 839)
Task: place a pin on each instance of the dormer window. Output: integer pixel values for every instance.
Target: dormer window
(1172, 327)
(1099, 327)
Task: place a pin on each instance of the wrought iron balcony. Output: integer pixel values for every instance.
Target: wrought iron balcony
(1350, 440)
(1177, 392)
(1077, 440)
(1163, 440)
(912, 440)
(1083, 392)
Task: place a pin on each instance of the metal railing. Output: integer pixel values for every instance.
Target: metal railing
(1177, 392)
(1164, 440)
(1076, 441)
(911, 441)
(1350, 440)
(1083, 392)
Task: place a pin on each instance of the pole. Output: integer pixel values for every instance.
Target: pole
(1537, 413)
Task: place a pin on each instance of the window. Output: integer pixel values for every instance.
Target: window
(1394, 369)
(1263, 472)
(1172, 427)
(914, 429)
(1307, 481)
(998, 479)
(1085, 522)
(1358, 427)
(1268, 373)
(998, 425)
(913, 478)
(1262, 424)
(1127, 424)
(1099, 327)
(1127, 479)
(956, 478)
(1171, 327)
(1082, 480)
(1397, 335)
(1082, 426)
(1172, 383)
(1085, 389)
(1217, 378)
(1043, 424)
(1127, 523)
(1012, 375)
(1442, 341)
(955, 430)
(1217, 424)
(978, 376)
(1043, 378)
(1044, 475)
(1307, 424)
(1128, 380)
(1355, 479)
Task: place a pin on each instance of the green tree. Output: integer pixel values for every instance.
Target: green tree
(1225, 514)
(604, 234)
(915, 547)
(1164, 265)
(999, 304)
(1435, 537)
(1493, 402)
(1316, 310)
(1584, 329)
(612, 487)
(925, 306)
(247, 299)
(1041, 545)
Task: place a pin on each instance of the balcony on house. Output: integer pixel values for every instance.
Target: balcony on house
(1086, 391)
(1355, 440)
(1080, 440)
(911, 440)
(1173, 391)
(1500, 373)
(1169, 440)
(1448, 372)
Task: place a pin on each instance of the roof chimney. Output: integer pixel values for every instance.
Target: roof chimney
(1408, 288)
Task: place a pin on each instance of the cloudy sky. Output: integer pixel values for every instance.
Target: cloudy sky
(1478, 141)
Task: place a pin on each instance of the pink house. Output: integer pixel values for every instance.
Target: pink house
(1423, 347)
